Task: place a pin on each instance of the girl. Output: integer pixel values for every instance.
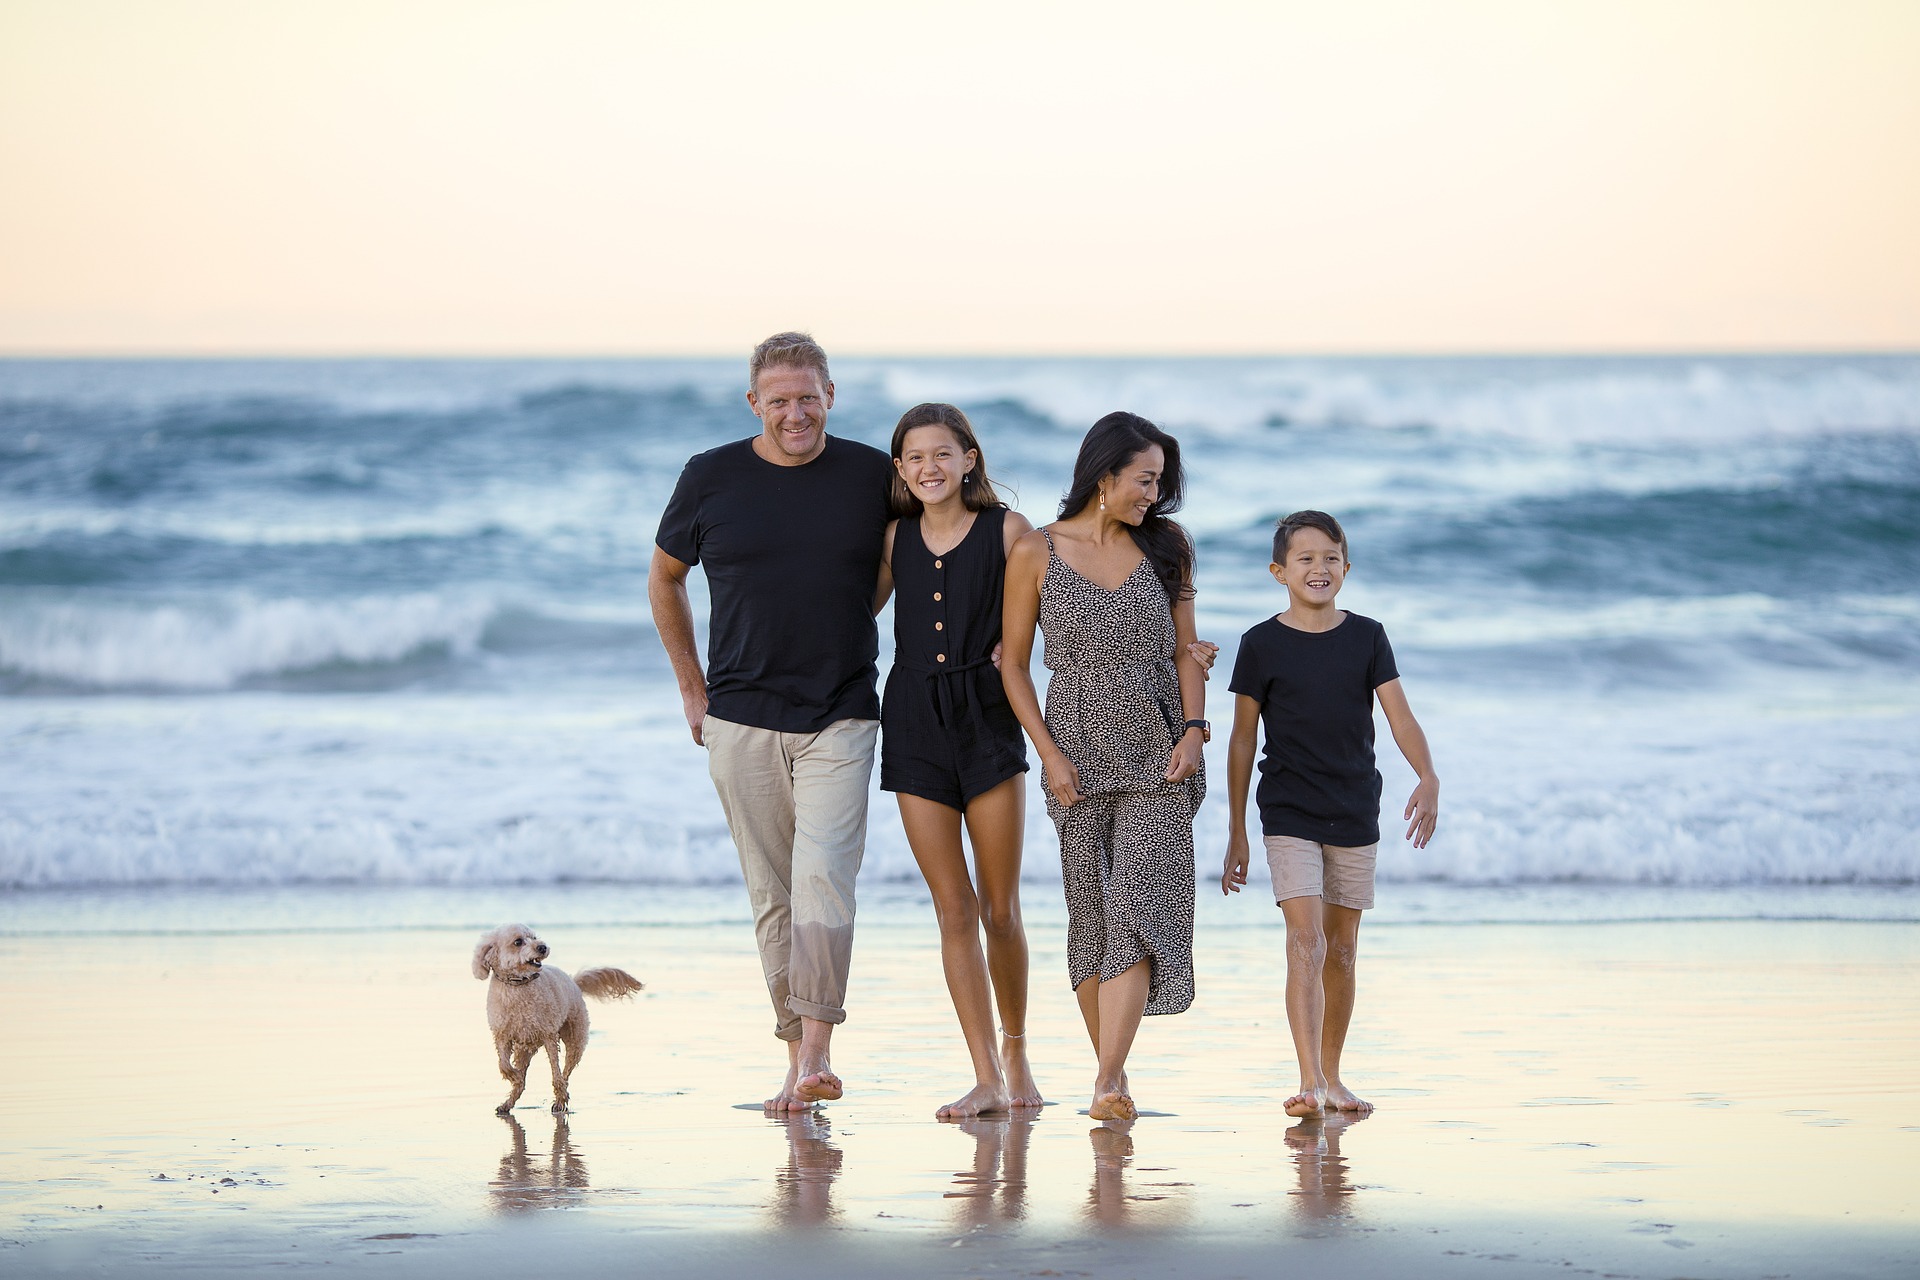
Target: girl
(950, 745)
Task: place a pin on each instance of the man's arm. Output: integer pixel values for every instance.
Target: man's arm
(1423, 806)
(673, 619)
(1240, 753)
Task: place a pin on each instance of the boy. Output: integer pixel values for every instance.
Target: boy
(1311, 675)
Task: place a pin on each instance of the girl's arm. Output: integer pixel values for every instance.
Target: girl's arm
(1020, 614)
(883, 587)
(1240, 752)
(1423, 806)
(1185, 761)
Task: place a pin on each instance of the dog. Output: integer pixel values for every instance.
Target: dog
(533, 1006)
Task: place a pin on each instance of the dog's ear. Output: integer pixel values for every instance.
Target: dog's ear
(483, 956)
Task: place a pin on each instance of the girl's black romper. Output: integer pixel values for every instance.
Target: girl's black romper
(947, 732)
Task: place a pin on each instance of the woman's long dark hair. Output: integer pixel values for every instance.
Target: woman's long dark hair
(976, 491)
(1110, 445)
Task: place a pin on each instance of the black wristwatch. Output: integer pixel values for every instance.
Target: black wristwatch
(1206, 730)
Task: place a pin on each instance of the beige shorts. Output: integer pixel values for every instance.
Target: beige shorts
(1331, 872)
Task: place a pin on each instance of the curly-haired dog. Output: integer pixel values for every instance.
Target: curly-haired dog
(532, 1006)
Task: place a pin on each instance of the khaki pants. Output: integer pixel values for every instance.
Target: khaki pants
(796, 806)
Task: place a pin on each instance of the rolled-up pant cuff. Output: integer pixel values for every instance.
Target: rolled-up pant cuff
(821, 1012)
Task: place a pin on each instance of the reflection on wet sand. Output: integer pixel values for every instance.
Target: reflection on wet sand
(1325, 1185)
(803, 1187)
(1111, 1203)
(995, 1188)
(525, 1183)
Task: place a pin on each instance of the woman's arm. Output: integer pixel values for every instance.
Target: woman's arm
(1185, 761)
(1020, 615)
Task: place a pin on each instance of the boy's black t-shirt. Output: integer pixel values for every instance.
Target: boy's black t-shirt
(1315, 690)
(792, 555)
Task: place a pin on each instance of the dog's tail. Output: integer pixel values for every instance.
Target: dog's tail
(607, 984)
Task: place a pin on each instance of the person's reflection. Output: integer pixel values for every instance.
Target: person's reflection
(1325, 1182)
(526, 1182)
(803, 1187)
(1112, 1153)
(995, 1188)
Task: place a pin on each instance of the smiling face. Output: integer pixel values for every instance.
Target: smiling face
(1313, 570)
(791, 402)
(933, 465)
(1131, 492)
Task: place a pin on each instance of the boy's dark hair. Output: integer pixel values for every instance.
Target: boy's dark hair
(1284, 531)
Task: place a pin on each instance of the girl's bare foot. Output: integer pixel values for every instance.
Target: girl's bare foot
(1341, 1098)
(1021, 1090)
(1303, 1104)
(982, 1099)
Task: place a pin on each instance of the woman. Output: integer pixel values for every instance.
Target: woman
(950, 746)
(1110, 584)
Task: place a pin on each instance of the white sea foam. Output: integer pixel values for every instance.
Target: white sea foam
(217, 643)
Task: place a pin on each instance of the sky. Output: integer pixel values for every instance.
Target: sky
(617, 177)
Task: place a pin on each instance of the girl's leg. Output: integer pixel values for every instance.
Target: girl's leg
(1306, 1000)
(933, 832)
(996, 823)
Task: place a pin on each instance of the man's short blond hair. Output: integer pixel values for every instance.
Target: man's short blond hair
(791, 350)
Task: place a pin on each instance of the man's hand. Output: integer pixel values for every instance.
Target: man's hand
(1423, 812)
(694, 703)
(1233, 870)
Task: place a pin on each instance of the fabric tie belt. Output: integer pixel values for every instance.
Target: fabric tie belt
(947, 703)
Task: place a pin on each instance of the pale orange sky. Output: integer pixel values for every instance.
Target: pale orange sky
(608, 176)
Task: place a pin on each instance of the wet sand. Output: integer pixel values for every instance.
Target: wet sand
(1624, 1099)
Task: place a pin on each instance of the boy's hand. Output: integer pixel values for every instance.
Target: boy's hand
(1423, 812)
(1204, 652)
(1233, 872)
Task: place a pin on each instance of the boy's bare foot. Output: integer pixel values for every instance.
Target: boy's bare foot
(1303, 1104)
(1021, 1090)
(982, 1099)
(1341, 1098)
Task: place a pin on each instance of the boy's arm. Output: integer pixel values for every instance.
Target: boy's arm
(1240, 750)
(1423, 806)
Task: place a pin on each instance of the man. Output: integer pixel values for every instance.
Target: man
(788, 525)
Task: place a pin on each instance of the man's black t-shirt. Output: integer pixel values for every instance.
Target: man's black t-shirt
(1315, 690)
(792, 555)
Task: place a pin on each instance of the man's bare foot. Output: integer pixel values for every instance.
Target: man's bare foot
(1021, 1090)
(819, 1085)
(1304, 1103)
(1341, 1098)
(787, 1099)
(1112, 1105)
(982, 1099)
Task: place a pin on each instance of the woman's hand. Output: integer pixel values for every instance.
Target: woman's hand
(1186, 757)
(1061, 777)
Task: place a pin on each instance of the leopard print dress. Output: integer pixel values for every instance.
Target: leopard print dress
(1126, 848)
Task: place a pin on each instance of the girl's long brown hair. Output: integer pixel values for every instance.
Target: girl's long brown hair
(976, 491)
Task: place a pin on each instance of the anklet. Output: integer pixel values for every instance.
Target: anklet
(1011, 1036)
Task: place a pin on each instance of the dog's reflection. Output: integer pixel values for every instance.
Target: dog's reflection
(994, 1189)
(1326, 1185)
(803, 1186)
(527, 1182)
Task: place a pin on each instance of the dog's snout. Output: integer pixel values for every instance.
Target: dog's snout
(541, 950)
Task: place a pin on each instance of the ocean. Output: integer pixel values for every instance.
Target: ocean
(383, 622)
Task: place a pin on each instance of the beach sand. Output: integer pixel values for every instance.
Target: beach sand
(223, 1096)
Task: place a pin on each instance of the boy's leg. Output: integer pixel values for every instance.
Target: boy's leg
(1298, 881)
(1349, 892)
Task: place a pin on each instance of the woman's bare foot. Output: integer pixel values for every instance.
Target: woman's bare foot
(1341, 1098)
(1304, 1103)
(1112, 1105)
(1021, 1090)
(982, 1099)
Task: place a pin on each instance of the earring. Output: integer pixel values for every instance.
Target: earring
(1103, 502)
